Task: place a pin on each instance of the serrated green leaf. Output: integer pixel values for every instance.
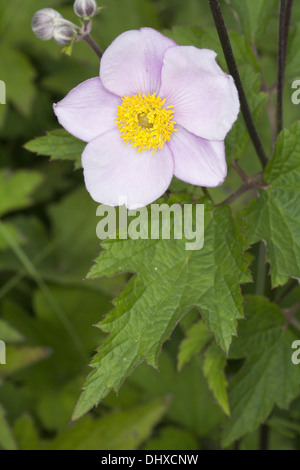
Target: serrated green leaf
(169, 281)
(119, 430)
(214, 364)
(268, 377)
(7, 440)
(196, 338)
(275, 216)
(59, 145)
(16, 189)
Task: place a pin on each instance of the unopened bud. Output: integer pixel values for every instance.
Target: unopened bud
(85, 8)
(43, 23)
(63, 35)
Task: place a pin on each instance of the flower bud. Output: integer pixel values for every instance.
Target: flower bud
(43, 23)
(85, 8)
(63, 34)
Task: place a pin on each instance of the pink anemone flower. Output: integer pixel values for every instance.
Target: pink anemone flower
(157, 110)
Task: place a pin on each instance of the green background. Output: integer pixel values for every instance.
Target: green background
(47, 308)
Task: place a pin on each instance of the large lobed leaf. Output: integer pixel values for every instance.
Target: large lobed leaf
(169, 281)
(275, 215)
(268, 376)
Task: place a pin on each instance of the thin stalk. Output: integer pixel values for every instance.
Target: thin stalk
(280, 66)
(288, 14)
(207, 193)
(283, 34)
(242, 189)
(233, 70)
(242, 174)
(251, 182)
(93, 45)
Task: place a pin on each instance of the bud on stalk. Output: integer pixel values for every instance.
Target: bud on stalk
(63, 35)
(85, 8)
(43, 23)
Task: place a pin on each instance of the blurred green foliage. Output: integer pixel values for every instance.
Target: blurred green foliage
(48, 243)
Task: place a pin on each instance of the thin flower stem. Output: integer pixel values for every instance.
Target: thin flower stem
(245, 187)
(244, 176)
(233, 70)
(251, 182)
(283, 33)
(280, 66)
(90, 41)
(207, 193)
(288, 14)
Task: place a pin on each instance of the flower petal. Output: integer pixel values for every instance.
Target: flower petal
(198, 161)
(133, 62)
(88, 111)
(116, 174)
(205, 99)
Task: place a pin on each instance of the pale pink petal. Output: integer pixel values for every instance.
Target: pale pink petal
(198, 161)
(133, 62)
(88, 111)
(205, 99)
(116, 174)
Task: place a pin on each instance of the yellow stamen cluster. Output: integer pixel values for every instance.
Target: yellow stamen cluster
(144, 122)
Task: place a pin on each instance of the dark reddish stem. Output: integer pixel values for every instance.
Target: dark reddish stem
(233, 70)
